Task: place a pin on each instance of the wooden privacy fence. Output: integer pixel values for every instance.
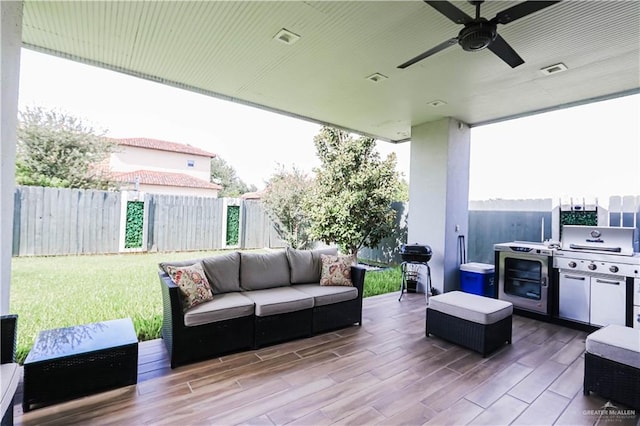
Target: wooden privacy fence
(56, 221)
(499, 221)
(60, 221)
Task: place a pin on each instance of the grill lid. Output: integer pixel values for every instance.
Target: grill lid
(415, 252)
(599, 239)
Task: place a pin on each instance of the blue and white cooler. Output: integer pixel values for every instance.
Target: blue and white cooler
(477, 278)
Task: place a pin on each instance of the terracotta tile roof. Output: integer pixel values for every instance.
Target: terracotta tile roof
(252, 195)
(163, 146)
(149, 177)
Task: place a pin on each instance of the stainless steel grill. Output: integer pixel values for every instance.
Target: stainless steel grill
(597, 269)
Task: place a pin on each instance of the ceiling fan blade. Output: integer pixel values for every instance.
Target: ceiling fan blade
(521, 10)
(501, 48)
(430, 52)
(450, 11)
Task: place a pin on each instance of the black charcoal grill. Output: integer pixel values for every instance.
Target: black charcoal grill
(414, 255)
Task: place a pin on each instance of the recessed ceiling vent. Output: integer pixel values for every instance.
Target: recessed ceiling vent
(437, 103)
(554, 69)
(377, 77)
(287, 37)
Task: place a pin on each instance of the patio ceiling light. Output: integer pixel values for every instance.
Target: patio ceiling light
(377, 77)
(287, 37)
(437, 103)
(553, 69)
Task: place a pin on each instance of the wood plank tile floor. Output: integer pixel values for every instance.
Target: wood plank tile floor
(385, 372)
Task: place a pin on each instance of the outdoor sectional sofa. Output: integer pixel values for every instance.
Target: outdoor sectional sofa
(259, 299)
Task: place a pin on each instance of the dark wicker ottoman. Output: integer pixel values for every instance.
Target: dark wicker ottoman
(612, 365)
(72, 362)
(479, 323)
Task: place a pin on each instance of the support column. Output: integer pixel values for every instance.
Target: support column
(10, 44)
(439, 195)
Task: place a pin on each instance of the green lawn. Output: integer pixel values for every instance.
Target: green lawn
(52, 292)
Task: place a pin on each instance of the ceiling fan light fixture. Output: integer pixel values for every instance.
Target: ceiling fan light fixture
(477, 36)
(287, 37)
(554, 69)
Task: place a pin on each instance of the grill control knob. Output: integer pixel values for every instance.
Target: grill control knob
(592, 266)
(614, 269)
(572, 264)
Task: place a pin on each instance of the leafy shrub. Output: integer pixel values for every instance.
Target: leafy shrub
(135, 224)
(233, 225)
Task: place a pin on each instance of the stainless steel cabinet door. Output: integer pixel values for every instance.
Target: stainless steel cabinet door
(608, 301)
(574, 297)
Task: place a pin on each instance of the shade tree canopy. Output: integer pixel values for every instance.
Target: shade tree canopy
(59, 150)
(284, 199)
(350, 200)
(224, 174)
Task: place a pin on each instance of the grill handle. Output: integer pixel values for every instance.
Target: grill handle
(599, 280)
(573, 277)
(581, 247)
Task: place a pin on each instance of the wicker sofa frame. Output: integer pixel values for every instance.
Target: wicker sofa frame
(196, 343)
(482, 338)
(8, 336)
(612, 380)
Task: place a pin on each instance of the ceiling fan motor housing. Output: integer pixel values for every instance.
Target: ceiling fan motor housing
(477, 35)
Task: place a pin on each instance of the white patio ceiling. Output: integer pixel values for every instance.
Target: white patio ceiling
(228, 49)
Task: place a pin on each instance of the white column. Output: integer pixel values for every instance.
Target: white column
(11, 41)
(439, 195)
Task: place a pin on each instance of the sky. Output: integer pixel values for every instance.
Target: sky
(590, 151)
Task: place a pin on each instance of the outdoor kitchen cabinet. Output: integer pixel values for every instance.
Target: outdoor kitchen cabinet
(574, 297)
(593, 300)
(608, 301)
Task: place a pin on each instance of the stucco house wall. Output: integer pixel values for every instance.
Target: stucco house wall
(132, 158)
(173, 190)
(162, 167)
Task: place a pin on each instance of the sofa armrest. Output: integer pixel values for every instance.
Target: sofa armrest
(357, 278)
(172, 314)
(8, 334)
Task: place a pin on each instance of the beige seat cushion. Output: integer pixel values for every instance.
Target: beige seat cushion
(471, 307)
(279, 300)
(328, 294)
(222, 307)
(9, 378)
(616, 343)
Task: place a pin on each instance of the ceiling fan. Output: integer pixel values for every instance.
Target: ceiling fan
(479, 33)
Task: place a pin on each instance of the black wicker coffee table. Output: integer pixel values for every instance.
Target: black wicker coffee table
(72, 362)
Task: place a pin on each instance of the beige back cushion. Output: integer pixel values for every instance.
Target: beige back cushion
(264, 270)
(305, 265)
(223, 271)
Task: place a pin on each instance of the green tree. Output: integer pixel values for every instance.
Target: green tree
(225, 175)
(283, 199)
(403, 190)
(350, 202)
(57, 149)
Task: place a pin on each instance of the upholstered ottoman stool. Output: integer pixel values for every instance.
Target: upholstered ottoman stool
(612, 364)
(476, 322)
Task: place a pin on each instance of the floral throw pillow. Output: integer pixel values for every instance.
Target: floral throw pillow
(192, 283)
(336, 270)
